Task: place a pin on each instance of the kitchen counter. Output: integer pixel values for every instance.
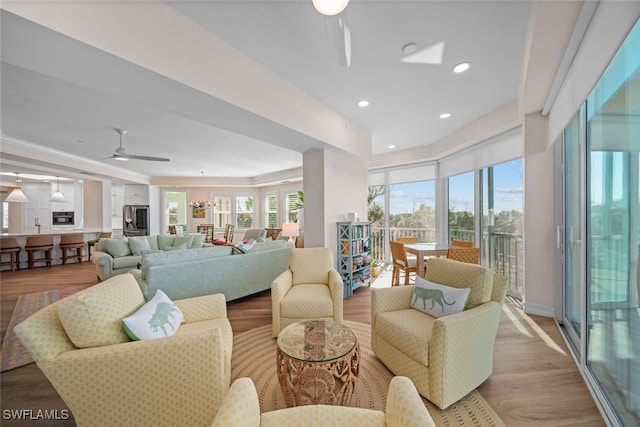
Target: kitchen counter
(89, 234)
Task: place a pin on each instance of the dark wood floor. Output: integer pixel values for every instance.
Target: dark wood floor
(535, 382)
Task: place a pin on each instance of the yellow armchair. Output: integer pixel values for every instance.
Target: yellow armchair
(310, 289)
(241, 408)
(177, 380)
(448, 357)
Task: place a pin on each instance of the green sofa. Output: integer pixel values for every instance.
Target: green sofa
(196, 272)
(113, 256)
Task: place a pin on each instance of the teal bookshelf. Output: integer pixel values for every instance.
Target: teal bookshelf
(354, 255)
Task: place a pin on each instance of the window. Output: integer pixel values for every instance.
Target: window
(237, 209)
(461, 207)
(501, 222)
(293, 204)
(412, 211)
(175, 209)
(271, 211)
(401, 202)
(377, 216)
(244, 211)
(222, 211)
(5, 215)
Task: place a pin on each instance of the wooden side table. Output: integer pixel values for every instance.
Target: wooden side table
(318, 362)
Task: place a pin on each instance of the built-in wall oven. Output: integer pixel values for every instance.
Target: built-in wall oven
(62, 218)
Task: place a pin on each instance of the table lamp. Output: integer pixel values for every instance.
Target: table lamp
(290, 231)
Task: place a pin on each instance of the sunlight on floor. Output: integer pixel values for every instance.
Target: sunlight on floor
(524, 323)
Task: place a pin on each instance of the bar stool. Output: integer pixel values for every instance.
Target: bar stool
(9, 245)
(69, 243)
(92, 243)
(37, 244)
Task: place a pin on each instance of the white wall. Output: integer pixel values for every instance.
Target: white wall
(539, 221)
(334, 185)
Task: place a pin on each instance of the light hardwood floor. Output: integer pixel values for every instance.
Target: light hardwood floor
(535, 382)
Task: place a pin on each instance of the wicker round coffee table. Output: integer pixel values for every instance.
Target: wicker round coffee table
(318, 362)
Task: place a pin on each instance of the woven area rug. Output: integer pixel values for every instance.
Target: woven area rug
(13, 353)
(254, 356)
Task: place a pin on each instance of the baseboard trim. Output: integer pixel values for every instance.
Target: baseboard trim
(539, 310)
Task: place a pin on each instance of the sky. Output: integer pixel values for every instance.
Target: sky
(405, 198)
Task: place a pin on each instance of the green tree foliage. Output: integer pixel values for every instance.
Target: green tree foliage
(375, 211)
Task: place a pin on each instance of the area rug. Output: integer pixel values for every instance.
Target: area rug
(254, 356)
(13, 353)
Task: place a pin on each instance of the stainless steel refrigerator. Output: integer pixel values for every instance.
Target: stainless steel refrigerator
(135, 220)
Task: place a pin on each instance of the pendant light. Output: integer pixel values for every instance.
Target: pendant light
(17, 196)
(58, 196)
(201, 203)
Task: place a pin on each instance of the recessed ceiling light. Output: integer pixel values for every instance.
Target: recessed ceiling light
(409, 48)
(461, 67)
(391, 147)
(363, 103)
(445, 115)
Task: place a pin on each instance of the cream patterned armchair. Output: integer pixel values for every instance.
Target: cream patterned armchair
(110, 380)
(445, 357)
(241, 408)
(310, 289)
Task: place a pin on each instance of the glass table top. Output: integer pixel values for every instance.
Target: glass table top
(316, 341)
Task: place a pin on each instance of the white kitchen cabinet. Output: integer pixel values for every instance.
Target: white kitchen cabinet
(136, 194)
(117, 200)
(68, 189)
(37, 209)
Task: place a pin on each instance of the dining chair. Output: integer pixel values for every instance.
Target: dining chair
(461, 243)
(401, 262)
(470, 255)
(227, 237)
(407, 240)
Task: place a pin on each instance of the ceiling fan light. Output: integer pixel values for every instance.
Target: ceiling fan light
(17, 196)
(330, 7)
(121, 158)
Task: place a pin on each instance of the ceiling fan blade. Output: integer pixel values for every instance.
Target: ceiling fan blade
(339, 36)
(121, 154)
(149, 158)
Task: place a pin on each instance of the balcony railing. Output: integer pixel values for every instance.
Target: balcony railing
(502, 251)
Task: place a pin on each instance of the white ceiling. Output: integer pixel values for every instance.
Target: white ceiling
(65, 95)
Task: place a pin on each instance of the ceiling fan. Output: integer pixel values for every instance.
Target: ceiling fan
(337, 27)
(121, 154)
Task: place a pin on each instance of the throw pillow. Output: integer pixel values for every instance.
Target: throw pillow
(188, 240)
(138, 245)
(180, 247)
(118, 247)
(247, 245)
(198, 240)
(438, 300)
(158, 318)
(92, 317)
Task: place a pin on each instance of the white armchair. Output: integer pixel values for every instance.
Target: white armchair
(310, 289)
(241, 408)
(445, 357)
(176, 380)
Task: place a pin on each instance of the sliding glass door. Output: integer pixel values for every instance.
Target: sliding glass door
(573, 196)
(601, 310)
